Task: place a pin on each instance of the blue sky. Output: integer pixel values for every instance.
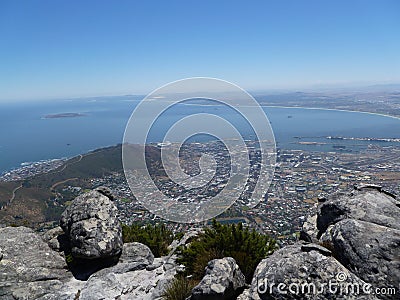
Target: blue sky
(84, 48)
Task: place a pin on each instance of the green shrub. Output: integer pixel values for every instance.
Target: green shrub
(69, 258)
(179, 236)
(180, 288)
(246, 246)
(156, 237)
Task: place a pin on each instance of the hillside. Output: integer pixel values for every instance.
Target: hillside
(34, 201)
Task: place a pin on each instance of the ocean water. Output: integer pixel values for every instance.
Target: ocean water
(25, 135)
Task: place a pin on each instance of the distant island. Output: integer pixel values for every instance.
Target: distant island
(64, 115)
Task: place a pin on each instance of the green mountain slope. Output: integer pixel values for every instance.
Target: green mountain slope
(34, 202)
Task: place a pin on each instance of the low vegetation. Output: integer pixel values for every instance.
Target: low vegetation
(156, 237)
(180, 288)
(247, 247)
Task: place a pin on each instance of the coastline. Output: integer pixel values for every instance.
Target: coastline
(335, 109)
(55, 163)
(64, 157)
(302, 107)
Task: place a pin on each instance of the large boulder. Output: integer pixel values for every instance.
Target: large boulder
(361, 229)
(370, 251)
(368, 204)
(223, 280)
(302, 271)
(91, 225)
(29, 269)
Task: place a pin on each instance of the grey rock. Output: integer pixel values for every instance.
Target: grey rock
(48, 290)
(368, 205)
(292, 266)
(103, 286)
(379, 188)
(309, 231)
(135, 256)
(139, 283)
(106, 192)
(69, 290)
(136, 252)
(56, 239)
(130, 285)
(315, 247)
(170, 263)
(167, 276)
(357, 236)
(223, 280)
(29, 268)
(91, 224)
(245, 295)
(370, 251)
(26, 257)
(187, 237)
(153, 266)
(131, 278)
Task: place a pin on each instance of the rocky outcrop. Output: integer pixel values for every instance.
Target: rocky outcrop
(29, 269)
(349, 247)
(370, 251)
(33, 266)
(91, 225)
(367, 204)
(136, 276)
(305, 271)
(223, 280)
(363, 232)
(38, 263)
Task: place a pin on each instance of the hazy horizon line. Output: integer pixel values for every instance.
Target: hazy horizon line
(323, 87)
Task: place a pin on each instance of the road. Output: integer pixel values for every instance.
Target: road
(68, 164)
(61, 182)
(14, 192)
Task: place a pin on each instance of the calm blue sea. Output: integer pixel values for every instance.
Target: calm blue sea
(26, 136)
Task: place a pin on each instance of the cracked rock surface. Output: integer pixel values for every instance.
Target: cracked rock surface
(92, 226)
